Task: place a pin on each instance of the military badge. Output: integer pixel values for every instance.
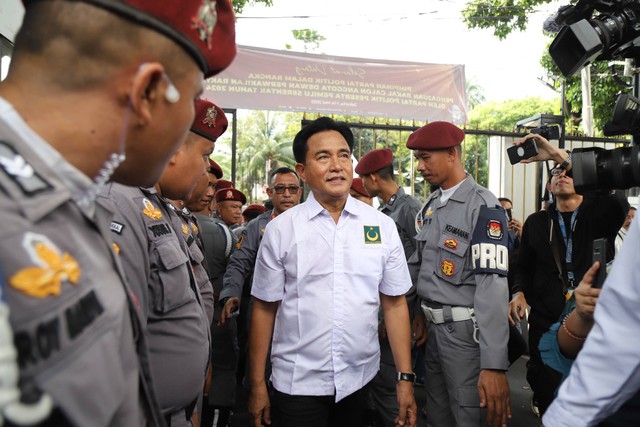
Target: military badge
(205, 21)
(194, 228)
(150, 210)
(447, 267)
(239, 242)
(210, 117)
(372, 234)
(52, 268)
(185, 229)
(429, 212)
(451, 243)
(116, 248)
(229, 195)
(494, 229)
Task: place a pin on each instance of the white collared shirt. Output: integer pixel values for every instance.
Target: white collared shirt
(327, 277)
(606, 372)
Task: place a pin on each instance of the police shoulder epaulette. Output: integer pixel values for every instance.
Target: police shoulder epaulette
(20, 172)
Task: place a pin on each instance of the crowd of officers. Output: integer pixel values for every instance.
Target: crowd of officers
(127, 261)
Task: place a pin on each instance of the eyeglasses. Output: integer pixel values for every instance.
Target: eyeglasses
(280, 189)
(556, 171)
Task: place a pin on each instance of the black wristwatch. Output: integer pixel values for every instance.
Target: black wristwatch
(407, 376)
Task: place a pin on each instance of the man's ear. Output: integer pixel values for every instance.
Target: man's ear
(300, 171)
(144, 92)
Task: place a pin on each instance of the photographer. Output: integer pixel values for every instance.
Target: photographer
(606, 373)
(554, 255)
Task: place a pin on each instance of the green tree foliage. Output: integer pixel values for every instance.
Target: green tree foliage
(263, 145)
(498, 116)
(238, 5)
(506, 16)
(310, 38)
(503, 16)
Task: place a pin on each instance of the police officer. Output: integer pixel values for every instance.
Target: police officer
(461, 266)
(210, 122)
(376, 170)
(154, 250)
(77, 109)
(229, 202)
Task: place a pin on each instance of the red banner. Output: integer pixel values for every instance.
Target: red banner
(266, 79)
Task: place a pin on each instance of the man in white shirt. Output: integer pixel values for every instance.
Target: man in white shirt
(323, 269)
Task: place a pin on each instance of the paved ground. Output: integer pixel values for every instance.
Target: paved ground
(520, 401)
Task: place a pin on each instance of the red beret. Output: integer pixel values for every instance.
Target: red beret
(260, 209)
(358, 187)
(374, 160)
(230, 194)
(205, 29)
(435, 136)
(210, 121)
(223, 183)
(215, 169)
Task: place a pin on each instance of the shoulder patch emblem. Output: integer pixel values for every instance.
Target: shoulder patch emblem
(21, 172)
(239, 242)
(150, 210)
(372, 234)
(52, 268)
(494, 230)
(451, 243)
(448, 268)
(185, 229)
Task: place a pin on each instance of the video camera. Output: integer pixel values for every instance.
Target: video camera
(594, 30)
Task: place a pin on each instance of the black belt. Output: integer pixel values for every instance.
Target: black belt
(188, 412)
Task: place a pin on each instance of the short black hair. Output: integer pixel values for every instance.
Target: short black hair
(321, 124)
(386, 173)
(280, 170)
(504, 199)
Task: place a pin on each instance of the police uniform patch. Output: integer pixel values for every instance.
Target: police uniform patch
(494, 230)
(194, 228)
(52, 268)
(489, 252)
(451, 243)
(21, 172)
(116, 227)
(372, 234)
(150, 210)
(239, 242)
(429, 212)
(116, 248)
(185, 229)
(448, 268)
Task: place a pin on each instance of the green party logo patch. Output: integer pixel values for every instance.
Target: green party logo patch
(372, 234)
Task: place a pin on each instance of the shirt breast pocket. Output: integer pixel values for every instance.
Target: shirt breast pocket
(170, 290)
(452, 255)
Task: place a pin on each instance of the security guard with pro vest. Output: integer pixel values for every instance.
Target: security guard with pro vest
(97, 91)
(461, 267)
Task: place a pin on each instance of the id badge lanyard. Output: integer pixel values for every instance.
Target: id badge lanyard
(567, 236)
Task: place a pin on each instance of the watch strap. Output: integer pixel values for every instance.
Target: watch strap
(564, 165)
(407, 376)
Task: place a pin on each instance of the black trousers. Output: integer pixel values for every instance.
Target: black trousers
(318, 411)
(544, 380)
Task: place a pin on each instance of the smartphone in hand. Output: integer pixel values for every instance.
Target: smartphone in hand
(526, 150)
(600, 254)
